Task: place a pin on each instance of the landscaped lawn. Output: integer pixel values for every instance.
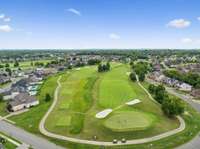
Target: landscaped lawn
(3, 111)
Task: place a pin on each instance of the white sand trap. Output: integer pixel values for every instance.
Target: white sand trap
(135, 101)
(103, 113)
(128, 73)
(78, 68)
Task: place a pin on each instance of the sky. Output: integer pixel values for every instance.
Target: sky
(104, 24)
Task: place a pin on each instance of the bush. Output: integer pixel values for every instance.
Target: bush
(47, 97)
(132, 76)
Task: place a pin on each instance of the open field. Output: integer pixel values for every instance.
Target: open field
(27, 64)
(85, 115)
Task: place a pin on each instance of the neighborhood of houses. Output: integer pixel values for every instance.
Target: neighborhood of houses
(20, 94)
(158, 76)
(24, 84)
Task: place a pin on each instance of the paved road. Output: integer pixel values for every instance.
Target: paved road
(135, 141)
(186, 98)
(26, 137)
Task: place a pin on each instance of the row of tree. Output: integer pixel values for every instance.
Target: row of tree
(171, 105)
(190, 78)
(104, 67)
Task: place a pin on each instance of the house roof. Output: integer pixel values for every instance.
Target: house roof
(22, 98)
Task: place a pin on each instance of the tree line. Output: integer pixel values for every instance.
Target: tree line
(171, 105)
(190, 78)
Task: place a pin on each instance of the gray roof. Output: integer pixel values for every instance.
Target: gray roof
(22, 98)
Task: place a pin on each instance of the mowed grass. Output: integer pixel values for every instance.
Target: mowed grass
(129, 121)
(115, 89)
(74, 100)
(3, 110)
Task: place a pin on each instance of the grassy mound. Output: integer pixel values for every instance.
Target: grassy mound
(129, 121)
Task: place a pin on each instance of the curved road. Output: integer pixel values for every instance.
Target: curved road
(135, 141)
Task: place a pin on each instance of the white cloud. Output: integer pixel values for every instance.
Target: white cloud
(5, 28)
(2, 16)
(7, 19)
(74, 11)
(198, 18)
(179, 23)
(114, 36)
(186, 40)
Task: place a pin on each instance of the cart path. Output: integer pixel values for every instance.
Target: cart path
(91, 142)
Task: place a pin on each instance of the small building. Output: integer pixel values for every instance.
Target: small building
(22, 101)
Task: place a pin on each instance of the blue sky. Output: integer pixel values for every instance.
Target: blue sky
(99, 24)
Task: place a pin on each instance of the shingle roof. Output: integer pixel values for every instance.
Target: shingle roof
(22, 98)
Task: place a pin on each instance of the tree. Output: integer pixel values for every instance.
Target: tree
(7, 65)
(108, 66)
(141, 77)
(9, 71)
(99, 68)
(31, 63)
(16, 64)
(104, 67)
(160, 93)
(172, 107)
(132, 76)
(1, 66)
(93, 61)
(47, 97)
(152, 88)
(1, 97)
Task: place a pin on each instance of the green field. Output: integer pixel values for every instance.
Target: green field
(27, 64)
(129, 121)
(85, 92)
(83, 95)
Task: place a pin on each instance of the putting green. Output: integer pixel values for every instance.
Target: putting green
(129, 121)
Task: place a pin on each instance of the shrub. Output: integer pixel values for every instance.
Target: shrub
(132, 76)
(47, 97)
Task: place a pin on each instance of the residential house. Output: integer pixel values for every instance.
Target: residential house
(184, 87)
(196, 93)
(22, 101)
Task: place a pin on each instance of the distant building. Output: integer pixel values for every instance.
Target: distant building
(184, 87)
(22, 101)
